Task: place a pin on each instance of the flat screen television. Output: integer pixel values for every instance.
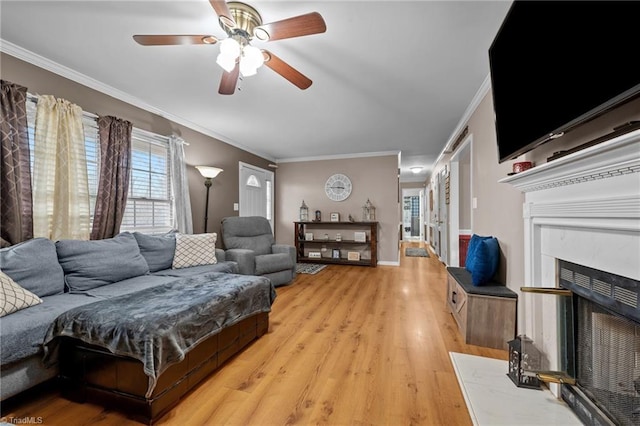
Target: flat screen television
(555, 65)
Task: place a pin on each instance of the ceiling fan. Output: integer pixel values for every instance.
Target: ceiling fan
(237, 56)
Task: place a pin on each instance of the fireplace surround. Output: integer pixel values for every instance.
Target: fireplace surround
(583, 209)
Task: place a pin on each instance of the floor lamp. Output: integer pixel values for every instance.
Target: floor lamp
(208, 173)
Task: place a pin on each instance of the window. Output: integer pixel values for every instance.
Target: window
(149, 206)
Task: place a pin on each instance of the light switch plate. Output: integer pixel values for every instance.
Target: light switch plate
(236, 207)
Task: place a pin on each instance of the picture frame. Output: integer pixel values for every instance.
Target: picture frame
(308, 236)
(334, 217)
(353, 255)
(335, 254)
(315, 255)
(360, 237)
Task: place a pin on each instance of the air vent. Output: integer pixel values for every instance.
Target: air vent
(614, 292)
(625, 296)
(583, 281)
(602, 287)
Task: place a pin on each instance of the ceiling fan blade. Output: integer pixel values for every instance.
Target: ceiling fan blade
(286, 70)
(311, 23)
(222, 10)
(168, 40)
(229, 81)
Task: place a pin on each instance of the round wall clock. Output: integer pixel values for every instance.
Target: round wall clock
(338, 187)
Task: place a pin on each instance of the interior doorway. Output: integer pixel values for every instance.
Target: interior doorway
(461, 202)
(412, 214)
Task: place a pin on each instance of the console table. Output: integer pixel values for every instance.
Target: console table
(367, 250)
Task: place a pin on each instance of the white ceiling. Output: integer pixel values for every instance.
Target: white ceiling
(387, 76)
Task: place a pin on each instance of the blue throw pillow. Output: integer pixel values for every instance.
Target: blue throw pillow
(471, 251)
(487, 258)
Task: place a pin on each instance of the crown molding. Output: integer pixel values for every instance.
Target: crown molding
(73, 75)
(338, 156)
(475, 102)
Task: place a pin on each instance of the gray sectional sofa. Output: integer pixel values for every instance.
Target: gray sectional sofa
(69, 274)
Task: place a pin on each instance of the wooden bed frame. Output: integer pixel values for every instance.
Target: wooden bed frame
(89, 373)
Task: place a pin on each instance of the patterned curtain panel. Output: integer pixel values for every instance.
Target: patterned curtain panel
(60, 181)
(182, 219)
(115, 168)
(16, 223)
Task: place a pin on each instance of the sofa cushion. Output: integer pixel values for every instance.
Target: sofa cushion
(91, 264)
(228, 267)
(13, 297)
(195, 250)
(268, 263)
(34, 265)
(486, 260)
(157, 250)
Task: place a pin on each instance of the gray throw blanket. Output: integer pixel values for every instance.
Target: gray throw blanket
(159, 325)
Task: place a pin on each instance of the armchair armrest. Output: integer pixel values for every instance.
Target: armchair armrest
(246, 260)
(220, 256)
(290, 250)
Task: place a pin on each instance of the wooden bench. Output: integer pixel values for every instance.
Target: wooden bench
(486, 315)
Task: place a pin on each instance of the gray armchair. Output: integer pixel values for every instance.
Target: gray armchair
(249, 242)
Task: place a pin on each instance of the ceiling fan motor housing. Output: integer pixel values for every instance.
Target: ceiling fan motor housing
(246, 20)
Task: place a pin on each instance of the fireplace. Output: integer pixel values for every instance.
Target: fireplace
(582, 219)
(600, 346)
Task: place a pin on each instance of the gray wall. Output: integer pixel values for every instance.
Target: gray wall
(202, 149)
(375, 178)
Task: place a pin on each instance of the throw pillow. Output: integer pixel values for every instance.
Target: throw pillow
(487, 259)
(157, 250)
(471, 251)
(34, 264)
(91, 264)
(194, 250)
(13, 297)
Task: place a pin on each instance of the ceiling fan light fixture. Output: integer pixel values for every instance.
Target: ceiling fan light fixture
(227, 62)
(230, 47)
(247, 70)
(252, 56)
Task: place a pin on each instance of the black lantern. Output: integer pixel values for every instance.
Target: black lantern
(524, 360)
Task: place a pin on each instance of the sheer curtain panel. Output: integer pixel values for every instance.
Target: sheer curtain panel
(183, 221)
(16, 222)
(113, 183)
(60, 182)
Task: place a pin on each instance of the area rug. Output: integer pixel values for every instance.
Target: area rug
(492, 398)
(416, 252)
(309, 268)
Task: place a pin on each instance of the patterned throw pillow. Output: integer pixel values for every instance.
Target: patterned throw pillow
(13, 297)
(194, 250)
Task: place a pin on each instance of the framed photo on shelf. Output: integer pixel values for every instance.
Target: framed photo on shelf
(335, 254)
(360, 237)
(353, 255)
(315, 255)
(334, 217)
(308, 236)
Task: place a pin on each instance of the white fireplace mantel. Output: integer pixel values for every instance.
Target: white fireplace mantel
(583, 208)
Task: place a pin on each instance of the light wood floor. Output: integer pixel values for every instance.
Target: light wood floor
(347, 346)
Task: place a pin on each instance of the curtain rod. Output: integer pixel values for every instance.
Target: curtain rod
(34, 98)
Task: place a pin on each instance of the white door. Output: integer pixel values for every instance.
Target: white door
(256, 192)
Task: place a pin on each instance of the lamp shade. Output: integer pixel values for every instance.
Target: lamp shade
(208, 171)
